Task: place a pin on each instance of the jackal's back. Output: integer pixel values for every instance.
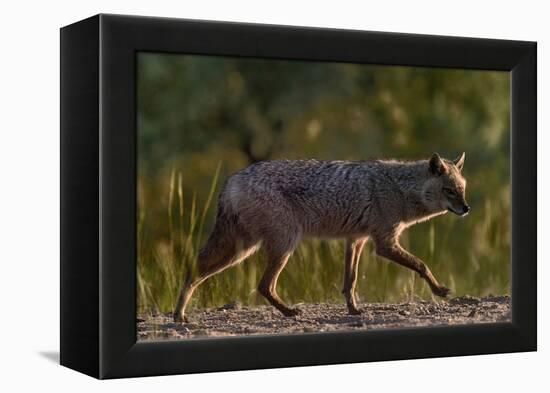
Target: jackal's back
(321, 198)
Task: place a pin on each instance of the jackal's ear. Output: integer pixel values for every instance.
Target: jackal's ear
(437, 166)
(459, 162)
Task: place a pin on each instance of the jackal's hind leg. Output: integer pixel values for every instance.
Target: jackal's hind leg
(268, 284)
(187, 290)
(351, 262)
(183, 298)
(213, 258)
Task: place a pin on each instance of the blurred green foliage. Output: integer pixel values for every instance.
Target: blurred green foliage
(199, 116)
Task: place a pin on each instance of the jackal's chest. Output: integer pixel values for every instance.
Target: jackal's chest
(419, 219)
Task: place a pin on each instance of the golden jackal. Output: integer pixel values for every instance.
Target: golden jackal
(275, 203)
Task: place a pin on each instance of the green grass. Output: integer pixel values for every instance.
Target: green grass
(471, 256)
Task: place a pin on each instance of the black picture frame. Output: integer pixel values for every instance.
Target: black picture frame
(98, 195)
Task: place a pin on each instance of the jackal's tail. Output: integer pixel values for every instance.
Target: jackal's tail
(228, 244)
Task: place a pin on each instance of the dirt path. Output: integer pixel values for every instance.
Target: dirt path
(234, 319)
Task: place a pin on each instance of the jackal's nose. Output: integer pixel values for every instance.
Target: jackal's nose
(466, 209)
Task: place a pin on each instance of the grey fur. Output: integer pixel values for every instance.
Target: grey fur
(276, 203)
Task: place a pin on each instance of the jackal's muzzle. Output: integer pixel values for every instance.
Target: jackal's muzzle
(461, 211)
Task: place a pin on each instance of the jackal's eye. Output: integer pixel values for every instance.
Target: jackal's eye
(449, 191)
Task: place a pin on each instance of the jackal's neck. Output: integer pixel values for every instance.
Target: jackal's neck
(411, 179)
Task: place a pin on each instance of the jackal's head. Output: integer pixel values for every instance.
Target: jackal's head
(446, 188)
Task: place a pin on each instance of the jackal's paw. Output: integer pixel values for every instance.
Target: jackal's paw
(354, 311)
(352, 308)
(441, 291)
(291, 312)
(178, 318)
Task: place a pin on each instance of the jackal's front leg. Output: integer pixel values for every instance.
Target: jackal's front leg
(396, 253)
(352, 255)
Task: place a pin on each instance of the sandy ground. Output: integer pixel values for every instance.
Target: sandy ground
(235, 319)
